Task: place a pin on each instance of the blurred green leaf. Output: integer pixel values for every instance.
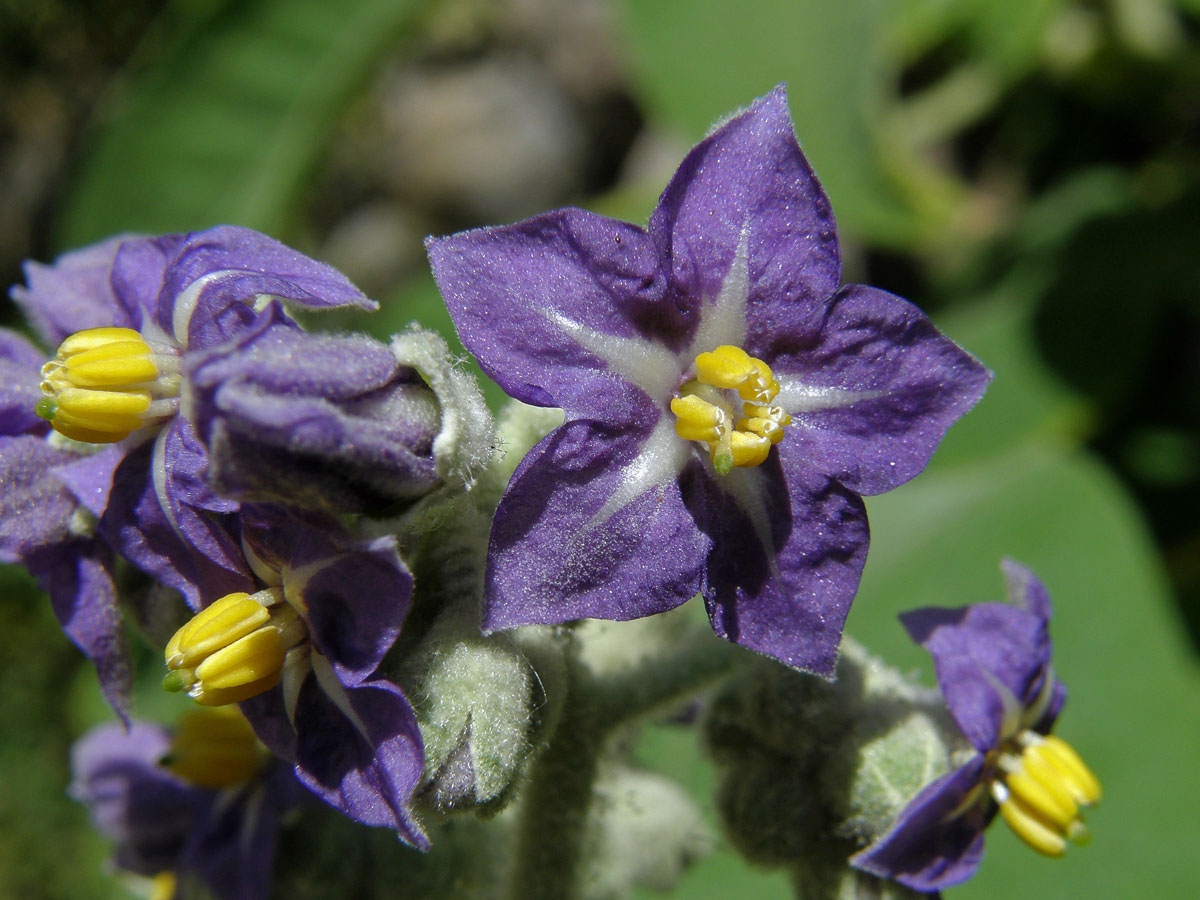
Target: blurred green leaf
(224, 125)
(699, 60)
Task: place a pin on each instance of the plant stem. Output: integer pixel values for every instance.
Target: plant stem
(558, 796)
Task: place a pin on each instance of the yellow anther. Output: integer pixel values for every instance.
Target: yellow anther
(1032, 830)
(761, 387)
(698, 420)
(725, 367)
(1041, 791)
(214, 748)
(710, 419)
(1048, 801)
(748, 449)
(218, 625)
(233, 649)
(1084, 786)
(105, 383)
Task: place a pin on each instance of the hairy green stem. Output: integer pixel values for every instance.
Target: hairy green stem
(557, 798)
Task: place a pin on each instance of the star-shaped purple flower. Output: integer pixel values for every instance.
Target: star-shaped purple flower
(329, 609)
(223, 834)
(993, 665)
(727, 400)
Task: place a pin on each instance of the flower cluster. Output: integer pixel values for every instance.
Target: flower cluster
(264, 495)
(181, 427)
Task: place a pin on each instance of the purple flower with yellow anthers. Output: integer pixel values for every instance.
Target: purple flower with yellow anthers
(727, 400)
(126, 315)
(301, 653)
(200, 804)
(167, 347)
(993, 665)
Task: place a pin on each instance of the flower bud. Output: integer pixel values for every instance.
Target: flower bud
(319, 421)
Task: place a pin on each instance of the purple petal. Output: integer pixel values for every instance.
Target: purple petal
(542, 302)
(189, 548)
(367, 770)
(232, 845)
(89, 478)
(132, 799)
(355, 601)
(991, 661)
(214, 276)
(1025, 590)
(137, 276)
(747, 184)
(20, 363)
(588, 527)
(78, 577)
(72, 294)
(935, 842)
(786, 595)
(318, 421)
(872, 397)
(35, 506)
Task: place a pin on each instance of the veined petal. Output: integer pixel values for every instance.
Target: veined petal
(563, 310)
(594, 524)
(991, 660)
(937, 840)
(788, 552)
(748, 184)
(873, 397)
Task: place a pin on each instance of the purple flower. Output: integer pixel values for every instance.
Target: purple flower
(301, 655)
(121, 470)
(993, 665)
(727, 400)
(213, 818)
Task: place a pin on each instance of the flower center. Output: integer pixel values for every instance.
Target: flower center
(704, 409)
(1040, 791)
(105, 383)
(234, 649)
(214, 748)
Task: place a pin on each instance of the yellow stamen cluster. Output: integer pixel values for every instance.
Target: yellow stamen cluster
(105, 383)
(1040, 792)
(214, 748)
(703, 414)
(234, 649)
